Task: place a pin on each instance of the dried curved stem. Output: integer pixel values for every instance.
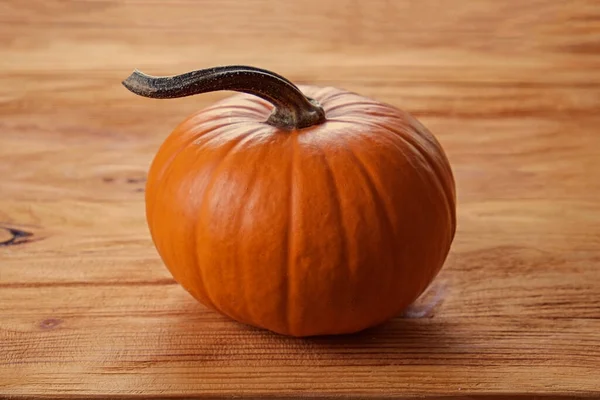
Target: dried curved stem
(293, 110)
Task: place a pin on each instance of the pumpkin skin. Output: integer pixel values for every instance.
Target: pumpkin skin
(329, 229)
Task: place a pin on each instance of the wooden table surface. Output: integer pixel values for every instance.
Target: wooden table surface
(510, 88)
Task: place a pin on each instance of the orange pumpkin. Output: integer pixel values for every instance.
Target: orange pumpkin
(305, 211)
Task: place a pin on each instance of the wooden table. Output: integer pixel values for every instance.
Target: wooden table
(512, 91)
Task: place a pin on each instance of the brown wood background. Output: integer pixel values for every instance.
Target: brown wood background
(511, 89)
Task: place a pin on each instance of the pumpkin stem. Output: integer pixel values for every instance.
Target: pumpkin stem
(293, 110)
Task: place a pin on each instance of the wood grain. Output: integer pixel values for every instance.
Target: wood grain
(511, 89)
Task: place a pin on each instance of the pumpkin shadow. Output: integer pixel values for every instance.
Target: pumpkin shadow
(401, 341)
(415, 338)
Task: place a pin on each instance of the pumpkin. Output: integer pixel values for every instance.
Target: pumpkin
(302, 210)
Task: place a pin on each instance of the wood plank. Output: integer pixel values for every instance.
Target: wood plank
(152, 353)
